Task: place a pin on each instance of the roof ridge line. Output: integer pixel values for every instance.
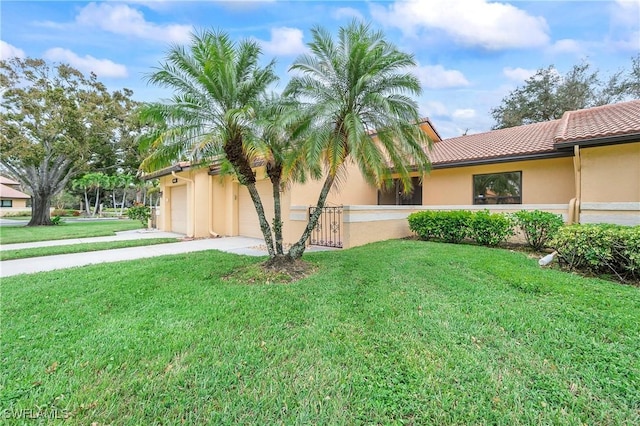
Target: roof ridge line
(562, 127)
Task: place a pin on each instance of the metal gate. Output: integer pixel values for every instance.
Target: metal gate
(327, 231)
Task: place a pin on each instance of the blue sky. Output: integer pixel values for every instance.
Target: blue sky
(470, 53)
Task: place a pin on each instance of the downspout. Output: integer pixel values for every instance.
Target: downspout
(210, 196)
(193, 203)
(574, 204)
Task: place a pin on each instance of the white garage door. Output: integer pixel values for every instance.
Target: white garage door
(248, 218)
(179, 209)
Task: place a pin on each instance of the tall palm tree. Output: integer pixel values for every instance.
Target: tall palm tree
(354, 86)
(217, 84)
(281, 129)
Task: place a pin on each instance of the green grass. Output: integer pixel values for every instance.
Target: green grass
(80, 248)
(400, 332)
(25, 234)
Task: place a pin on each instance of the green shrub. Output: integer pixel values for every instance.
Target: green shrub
(448, 226)
(141, 213)
(454, 225)
(425, 224)
(600, 249)
(56, 220)
(538, 227)
(490, 229)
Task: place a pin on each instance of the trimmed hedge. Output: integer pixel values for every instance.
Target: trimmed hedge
(454, 226)
(490, 229)
(600, 249)
(538, 226)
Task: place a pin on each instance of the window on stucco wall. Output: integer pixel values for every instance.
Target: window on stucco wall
(498, 188)
(6, 203)
(395, 197)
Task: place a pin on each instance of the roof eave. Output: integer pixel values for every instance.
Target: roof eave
(602, 141)
(505, 159)
(163, 172)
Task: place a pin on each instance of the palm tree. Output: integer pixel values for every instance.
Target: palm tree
(217, 85)
(354, 86)
(280, 128)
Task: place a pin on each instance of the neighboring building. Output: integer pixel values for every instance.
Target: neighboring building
(585, 166)
(11, 198)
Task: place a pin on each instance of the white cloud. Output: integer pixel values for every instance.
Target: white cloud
(493, 26)
(87, 64)
(567, 45)
(8, 51)
(434, 109)
(626, 12)
(464, 114)
(437, 77)
(347, 12)
(284, 41)
(122, 19)
(517, 74)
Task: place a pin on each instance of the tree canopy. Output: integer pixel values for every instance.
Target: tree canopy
(548, 94)
(55, 123)
(346, 89)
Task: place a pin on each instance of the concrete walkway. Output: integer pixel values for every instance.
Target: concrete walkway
(136, 234)
(237, 245)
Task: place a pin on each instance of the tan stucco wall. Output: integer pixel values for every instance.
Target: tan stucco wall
(547, 181)
(17, 203)
(611, 173)
(351, 188)
(610, 184)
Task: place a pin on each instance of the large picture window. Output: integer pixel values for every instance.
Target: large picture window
(497, 188)
(6, 203)
(395, 197)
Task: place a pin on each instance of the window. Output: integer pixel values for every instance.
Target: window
(498, 188)
(395, 197)
(6, 203)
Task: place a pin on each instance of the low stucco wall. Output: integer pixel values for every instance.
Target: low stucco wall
(367, 224)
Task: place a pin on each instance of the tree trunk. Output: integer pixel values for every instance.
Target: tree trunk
(40, 210)
(124, 197)
(275, 175)
(297, 250)
(87, 206)
(242, 167)
(262, 218)
(95, 208)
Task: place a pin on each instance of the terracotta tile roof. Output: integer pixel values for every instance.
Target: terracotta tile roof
(600, 122)
(7, 181)
(609, 121)
(8, 192)
(515, 141)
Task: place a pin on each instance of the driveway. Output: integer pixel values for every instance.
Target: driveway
(237, 245)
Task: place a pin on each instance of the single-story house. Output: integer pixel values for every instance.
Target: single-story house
(585, 166)
(11, 198)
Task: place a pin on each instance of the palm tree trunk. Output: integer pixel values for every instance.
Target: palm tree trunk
(87, 206)
(95, 207)
(264, 223)
(124, 198)
(277, 213)
(297, 250)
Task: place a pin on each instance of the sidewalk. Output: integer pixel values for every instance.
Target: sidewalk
(237, 245)
(136, 234)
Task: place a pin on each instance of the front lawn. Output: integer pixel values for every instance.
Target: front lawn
(79, 229)
(399, 332)
(80, 248)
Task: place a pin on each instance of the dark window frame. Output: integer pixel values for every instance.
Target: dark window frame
(415, 199)
(6, 203)
(479, 199)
